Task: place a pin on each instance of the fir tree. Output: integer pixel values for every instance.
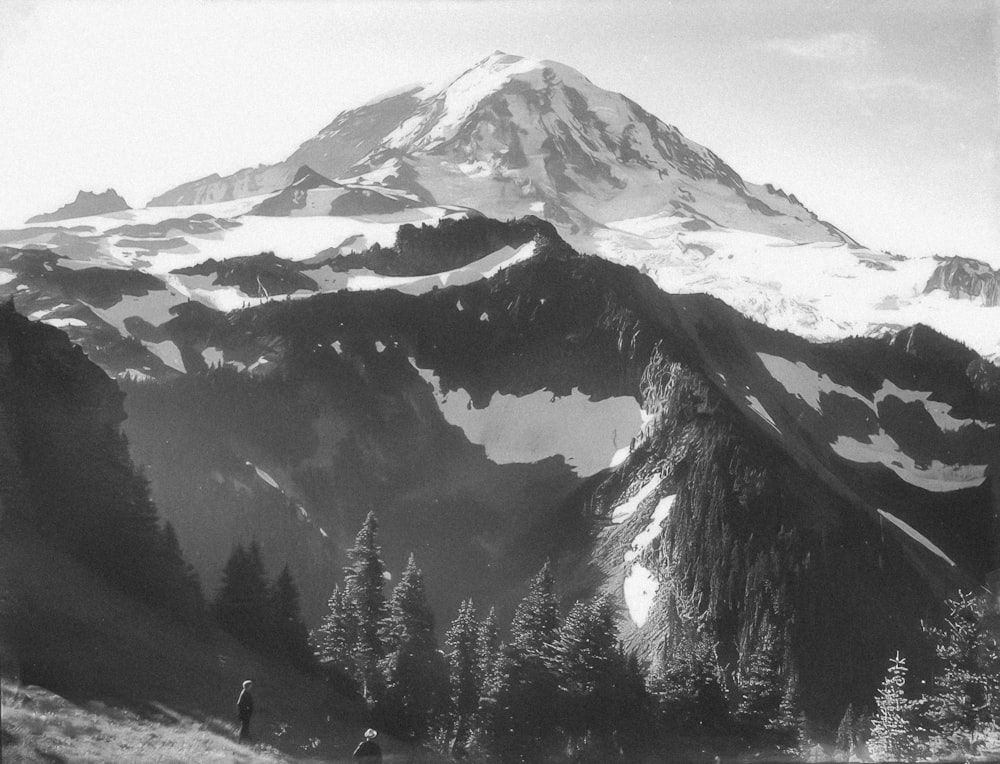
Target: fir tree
(847, 740)
(760, 684)
(464, 661)
(687, 688)
(414, 673)
(489, 650)
(586, 661)
(965, 691)
(364, 590)
(185, 597)
(892, 732)
(536, 619)
(334, 639)
(289, 634)
(492, 677)
(242, 604)
(526, 711)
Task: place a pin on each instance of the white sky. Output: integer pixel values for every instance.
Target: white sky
(882, 116)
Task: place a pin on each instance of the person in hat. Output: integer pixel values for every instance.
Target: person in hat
(368, 750)
(244, 709)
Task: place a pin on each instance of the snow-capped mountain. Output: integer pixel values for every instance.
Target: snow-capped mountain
(513, 136)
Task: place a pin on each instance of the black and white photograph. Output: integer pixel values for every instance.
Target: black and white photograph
(499, 381)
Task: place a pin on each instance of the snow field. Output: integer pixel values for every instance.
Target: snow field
(538, 426)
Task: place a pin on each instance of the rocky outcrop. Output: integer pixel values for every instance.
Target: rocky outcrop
(965, 278)
(86, 203)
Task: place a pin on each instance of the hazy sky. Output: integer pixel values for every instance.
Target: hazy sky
(882, 117)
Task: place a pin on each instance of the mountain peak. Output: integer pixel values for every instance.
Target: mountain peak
(86, 203)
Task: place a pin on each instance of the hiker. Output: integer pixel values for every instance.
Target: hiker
(244, 709)
(368, 749)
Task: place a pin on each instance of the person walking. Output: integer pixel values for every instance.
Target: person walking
(368, 750)
(244, 709)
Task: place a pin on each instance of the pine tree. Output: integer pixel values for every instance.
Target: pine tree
(526, 709)
(242, 604)
(687, 688)
(364, 590)
(846, 735)
(586, 662)
(185, 597)
(892, 732)
(491, 672)
(489, 649)
(289, 634)
(966, 689)
(464, 661)
(334, 639)
(760, 684)
(536, 619)
(414, 673)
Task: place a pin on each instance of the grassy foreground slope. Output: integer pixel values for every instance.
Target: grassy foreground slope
(123, 683)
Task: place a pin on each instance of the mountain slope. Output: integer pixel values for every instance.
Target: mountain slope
(332, 153)
(775, 483)
(512, 136)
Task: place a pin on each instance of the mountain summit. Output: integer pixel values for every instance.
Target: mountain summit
(86, 203)
(513, 136)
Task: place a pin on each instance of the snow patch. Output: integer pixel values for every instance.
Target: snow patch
(62, 323)
(266, 478)
(808, 385)
(651, 531)
(167, 352)
(758, 408)
(917, 536)
(529, 428)
(6, 276)
(625, 510)
(639, 589)
(802, 381)
(937, 476)
(940, 412)
(213, 356)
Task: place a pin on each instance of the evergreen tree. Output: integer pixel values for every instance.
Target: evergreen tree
(760, 684)
(847, 740)
(687, 688)
(966, 689)
(526, 710)
(414, 672)
(185, 597)
(586, 661)
(334, 639)
(790, 721)
(892, 732)
(492, 677)
(464, 663)
(242, 604)
(364, 590)
(289, 634)
(536, 619)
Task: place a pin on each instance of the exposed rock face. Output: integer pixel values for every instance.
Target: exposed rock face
(86, 203)
(965, 278)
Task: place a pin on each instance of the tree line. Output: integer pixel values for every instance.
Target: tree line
(553, 685)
